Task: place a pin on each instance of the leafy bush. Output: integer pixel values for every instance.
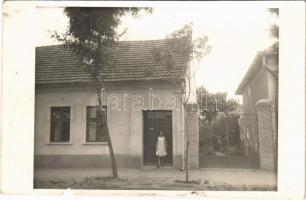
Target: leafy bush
(221, 135)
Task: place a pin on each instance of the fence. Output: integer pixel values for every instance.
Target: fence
(229, 141)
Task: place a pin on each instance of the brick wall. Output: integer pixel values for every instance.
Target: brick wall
(266, 134)
(192, 131)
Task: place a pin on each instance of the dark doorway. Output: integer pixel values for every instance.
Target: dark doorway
(155, 121)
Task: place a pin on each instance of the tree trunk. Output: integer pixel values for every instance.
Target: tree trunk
(102, 112)
(109, 142)
(110, 146)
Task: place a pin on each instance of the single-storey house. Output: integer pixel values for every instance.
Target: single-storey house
(142, 96)
(260, 83)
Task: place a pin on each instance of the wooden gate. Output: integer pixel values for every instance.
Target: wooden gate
(229, 141)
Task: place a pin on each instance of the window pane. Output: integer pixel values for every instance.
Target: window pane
(66, 131)
(271, 59)
(92, 131)
(61, 131)
(60, 112)
(101, 135)
(92, 112)
(57, 131)
(60, 124)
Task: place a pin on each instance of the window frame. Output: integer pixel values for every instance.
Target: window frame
(53, 120)
(96, 120)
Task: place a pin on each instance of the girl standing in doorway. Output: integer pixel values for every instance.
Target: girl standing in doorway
(161, 148)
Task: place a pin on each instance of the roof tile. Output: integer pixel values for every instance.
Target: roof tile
(134, 60)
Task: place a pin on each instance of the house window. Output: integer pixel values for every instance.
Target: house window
(60, 124)
(94, 130)
(271, 59)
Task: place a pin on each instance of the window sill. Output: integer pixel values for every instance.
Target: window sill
(59, 143)
(94, 143)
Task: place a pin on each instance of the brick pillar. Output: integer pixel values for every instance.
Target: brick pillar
(192, 131)
(266, 134)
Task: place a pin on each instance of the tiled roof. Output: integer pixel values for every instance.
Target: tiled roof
(133, 60)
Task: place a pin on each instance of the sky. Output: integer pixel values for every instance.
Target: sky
(235, 34)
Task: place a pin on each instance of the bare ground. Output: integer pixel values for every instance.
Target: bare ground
(125, 184)
(163, 179)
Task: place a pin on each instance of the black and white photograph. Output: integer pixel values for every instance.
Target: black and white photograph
(138, 99)
(156, 98)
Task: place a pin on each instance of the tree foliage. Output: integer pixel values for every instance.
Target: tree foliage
(194, 48)
(274, 29)
(92, 32)
(274, 11)
(212, 103)
(182, 44)
(218, 132)
(188, 48)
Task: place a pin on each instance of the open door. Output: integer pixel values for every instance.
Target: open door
(155, 121)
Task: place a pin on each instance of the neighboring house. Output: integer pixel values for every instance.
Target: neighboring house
(260, 82)
(140, 97)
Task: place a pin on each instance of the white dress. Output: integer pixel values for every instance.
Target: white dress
(161, 146)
